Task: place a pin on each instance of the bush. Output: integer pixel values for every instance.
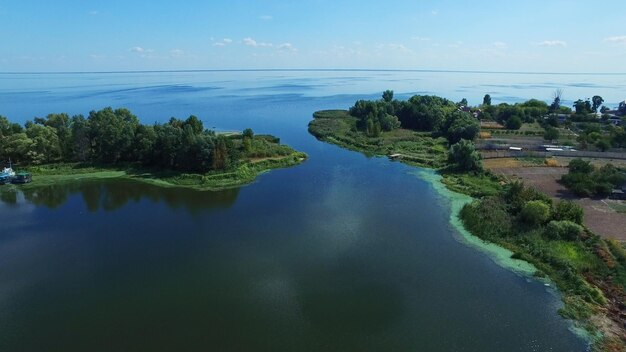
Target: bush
(487, 218)
(464, 155)
(566, 210)
(514, 123)
(535, 212)
(563, 229)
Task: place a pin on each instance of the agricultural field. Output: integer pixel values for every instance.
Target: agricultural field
(604, 217)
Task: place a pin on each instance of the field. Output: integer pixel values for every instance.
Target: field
(603, 217)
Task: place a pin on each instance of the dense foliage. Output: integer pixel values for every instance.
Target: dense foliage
(464, 156)
(550, 236)
(420, 113)
(108, 137)
(586, 180)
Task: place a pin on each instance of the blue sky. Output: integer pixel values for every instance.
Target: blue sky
(530, 35)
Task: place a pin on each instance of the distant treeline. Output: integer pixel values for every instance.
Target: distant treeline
(458, 120)
(112, 136)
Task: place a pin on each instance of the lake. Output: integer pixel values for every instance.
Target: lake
(341, 253)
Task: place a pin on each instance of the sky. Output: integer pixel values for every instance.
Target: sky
(478, 35)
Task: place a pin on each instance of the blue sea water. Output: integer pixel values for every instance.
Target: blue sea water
(341, 253)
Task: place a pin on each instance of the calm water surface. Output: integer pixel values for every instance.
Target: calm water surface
(342, 253)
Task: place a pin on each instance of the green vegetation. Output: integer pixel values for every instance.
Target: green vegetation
(417, 148)
(434, 132)
(589, 271)
(586, 180)
(112, 143)
(464, 157)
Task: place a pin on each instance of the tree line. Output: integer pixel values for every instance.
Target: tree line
(109, 137)
(421, 113)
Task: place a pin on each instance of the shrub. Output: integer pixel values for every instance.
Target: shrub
(563, 229)
(514, 123)
(464, 155)
(567, 210)
(487, 218)
(535, 212)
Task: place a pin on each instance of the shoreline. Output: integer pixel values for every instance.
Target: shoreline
(242, 175)
(589, 320)
(498, 254)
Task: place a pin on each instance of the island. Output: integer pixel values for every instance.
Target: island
(114, 144)
(429, 131)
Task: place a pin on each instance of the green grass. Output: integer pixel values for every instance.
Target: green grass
(244, 173)
(475, 185)
(417, 148)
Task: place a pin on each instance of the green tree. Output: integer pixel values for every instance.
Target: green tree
(464, 155)
(597, 102)
(603, 144)
(514, 123)
(248, 133)
(112, 133)
(582, 107)
(487, 100)
(580, 166)
(388, 122)
(16, 146)
(461, 125)
(535, 212)
(62, 125)
(388, 96)
(143, 144)
(80, 138)
(194, 123)
(45, 147)
(551, 134)
(556, 101)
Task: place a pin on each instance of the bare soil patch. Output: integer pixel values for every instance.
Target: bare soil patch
(600, 215)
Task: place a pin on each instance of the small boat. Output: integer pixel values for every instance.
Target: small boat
(22, 177)
(7, 174)
(8, 171)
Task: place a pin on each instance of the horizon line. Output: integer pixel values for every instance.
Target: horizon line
(311, 70)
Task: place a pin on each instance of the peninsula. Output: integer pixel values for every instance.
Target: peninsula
(434, 132)
(113, 144)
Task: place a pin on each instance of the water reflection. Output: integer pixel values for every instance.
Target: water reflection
(108, 195)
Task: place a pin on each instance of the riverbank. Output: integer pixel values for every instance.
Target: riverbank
(245, 173)
(589, 272)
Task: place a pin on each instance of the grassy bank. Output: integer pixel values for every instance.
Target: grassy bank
(590, 272)
(242, 174)
(417, 148)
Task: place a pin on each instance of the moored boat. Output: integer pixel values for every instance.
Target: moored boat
(22, 177)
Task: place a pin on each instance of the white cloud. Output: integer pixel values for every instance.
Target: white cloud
(620, 39)
(287, 47)
(253, 43)
(222, 42)
(249, 42)
(434, 12)
(553, 43)
(97, 56)
(93, 13)
(421, 39)
(142, 52)
(499, 45)
(137, 49)
(266, 17)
